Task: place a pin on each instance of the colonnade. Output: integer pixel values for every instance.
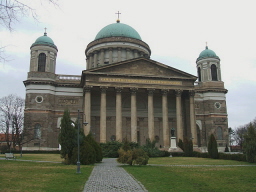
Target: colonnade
(111, 55)
(151, 134)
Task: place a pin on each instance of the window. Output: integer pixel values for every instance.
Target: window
(199, 73)
(41, 62)
(219, 133)
(37, 131)
(214, 72)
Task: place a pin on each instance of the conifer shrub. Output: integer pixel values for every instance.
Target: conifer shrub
(213, 148)
(98, 152)
(180, 144)
(67, 137)
(87, 154)
(188, 148)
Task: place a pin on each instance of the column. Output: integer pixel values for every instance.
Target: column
(103, 116)
(192, 116)
(151, 125)
(165, 118)
(133, 115)
(87, 63)
(135, 53)
(119, 135)
(119, 52)
(102, 57)
(95, 59)
(179, 115)
(128, 54)
(110, 54)
(90, 60)
(87, 109)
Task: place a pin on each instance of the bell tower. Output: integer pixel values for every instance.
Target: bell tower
(210, 101)
(43, 55)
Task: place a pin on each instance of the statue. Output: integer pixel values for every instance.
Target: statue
(172, 132)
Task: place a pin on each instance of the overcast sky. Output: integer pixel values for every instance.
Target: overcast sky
(176, 32)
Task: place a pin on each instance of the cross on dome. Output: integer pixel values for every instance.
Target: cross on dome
(45, 33)
(118, 13)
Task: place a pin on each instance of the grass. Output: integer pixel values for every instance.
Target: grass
(37, 177)
(194, 161)
(54, 177)
(182, 179)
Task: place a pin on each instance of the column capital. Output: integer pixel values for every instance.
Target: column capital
(134, 89)
(164, 91)
(87, 88)
(103, 89)
(151, 91)
(192, 93)
(178, 92)
(118, 89)
(110, 48)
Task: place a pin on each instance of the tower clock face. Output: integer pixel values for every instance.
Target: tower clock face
(39, 99)
(217, 105)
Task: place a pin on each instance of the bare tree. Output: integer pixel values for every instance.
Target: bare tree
(12, 11)
(11, 119)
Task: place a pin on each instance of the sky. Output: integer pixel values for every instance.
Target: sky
(176, 31)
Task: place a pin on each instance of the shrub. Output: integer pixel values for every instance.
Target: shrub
(153, 151)
(87, 154)
(212, 147)
(226, 148)
(133, 157)
(250, 144)
(98, 152)
(180, 144)
(110, 149)
(188, 148)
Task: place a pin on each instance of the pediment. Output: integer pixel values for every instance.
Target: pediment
(141, 67)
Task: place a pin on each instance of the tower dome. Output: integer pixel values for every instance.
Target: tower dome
(207, 53)
(44, 40)
(114, 43)
(118, 30)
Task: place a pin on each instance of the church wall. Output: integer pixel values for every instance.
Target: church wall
(211, 110)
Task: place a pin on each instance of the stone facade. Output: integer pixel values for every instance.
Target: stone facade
(124, 95)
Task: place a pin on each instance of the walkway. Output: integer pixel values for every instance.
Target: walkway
(109, 177)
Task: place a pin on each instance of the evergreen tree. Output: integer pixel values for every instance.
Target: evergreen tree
(67, 137)
(250, 143)
(213, 148)
(188, 148)
(98, 152)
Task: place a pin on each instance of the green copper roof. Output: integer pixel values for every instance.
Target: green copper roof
(207, 53)
(118, 30)
(44, 40)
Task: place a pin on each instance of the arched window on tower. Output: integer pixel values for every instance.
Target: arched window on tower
(199, 74)
(214, 72)
(41, 62)
(37, 131)
(219, 133)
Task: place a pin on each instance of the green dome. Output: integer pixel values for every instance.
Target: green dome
(118, 30)
(207, 53)
(44, 40)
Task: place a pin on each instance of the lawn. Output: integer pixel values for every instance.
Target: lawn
(35, 176)
(198, 178)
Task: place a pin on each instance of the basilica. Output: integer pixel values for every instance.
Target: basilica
(123, 94)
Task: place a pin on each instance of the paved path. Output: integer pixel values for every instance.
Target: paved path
(108, 176)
